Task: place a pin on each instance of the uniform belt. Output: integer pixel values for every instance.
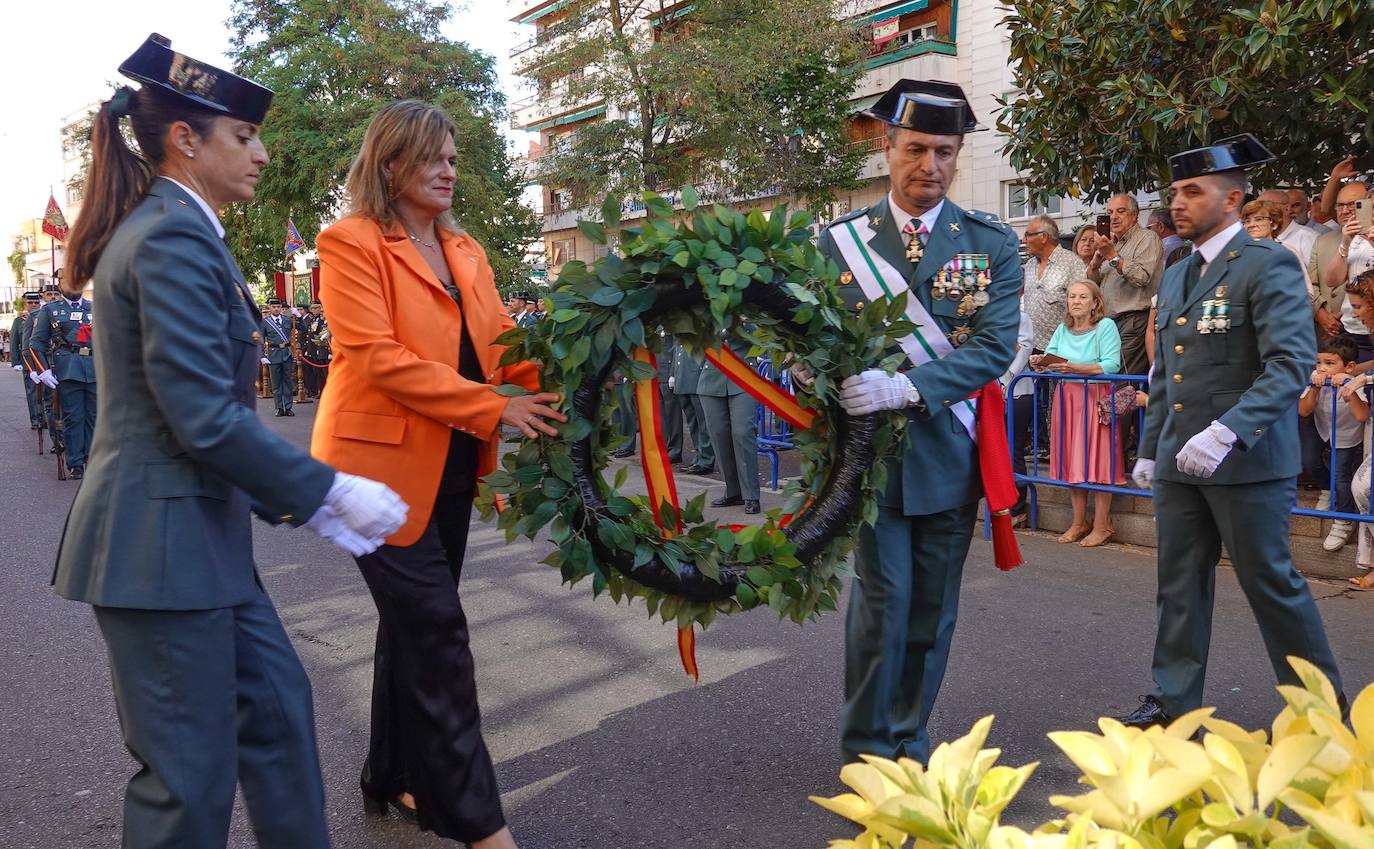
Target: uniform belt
(275, 347)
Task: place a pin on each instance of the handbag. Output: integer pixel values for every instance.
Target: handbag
(1122, 399)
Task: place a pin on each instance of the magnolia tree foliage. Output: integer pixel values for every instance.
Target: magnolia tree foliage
(734, 96)
(333, 65)
(1108, 90)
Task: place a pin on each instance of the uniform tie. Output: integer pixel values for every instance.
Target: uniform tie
(916, 234)
(1192, 275)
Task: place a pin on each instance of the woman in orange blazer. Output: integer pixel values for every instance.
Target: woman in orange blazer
(415, 312)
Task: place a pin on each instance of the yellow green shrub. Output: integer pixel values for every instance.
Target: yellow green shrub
(1308, 781)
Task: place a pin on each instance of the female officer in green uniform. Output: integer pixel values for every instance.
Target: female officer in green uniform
(210, 693)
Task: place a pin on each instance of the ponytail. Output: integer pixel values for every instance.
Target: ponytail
(118, 176)
(117, 179)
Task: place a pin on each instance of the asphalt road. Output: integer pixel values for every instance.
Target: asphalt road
(598, 737)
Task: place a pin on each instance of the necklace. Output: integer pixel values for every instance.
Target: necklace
(417, 240)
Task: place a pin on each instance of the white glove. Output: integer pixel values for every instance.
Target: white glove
(48, 378)
(33, 375)
(371, 509)
(802, 373)
(672, 383)
(329, 526)
(1201, 455)
(19, 368)
(265, 361)
(875, 390)
(1144, 473)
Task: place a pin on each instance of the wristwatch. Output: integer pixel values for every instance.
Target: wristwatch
(1115, 262)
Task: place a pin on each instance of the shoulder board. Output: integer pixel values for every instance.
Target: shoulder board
(1266, 244)
(850, 216)
(987, 219)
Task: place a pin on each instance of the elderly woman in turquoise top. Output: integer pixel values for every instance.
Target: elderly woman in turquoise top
(1082, 450)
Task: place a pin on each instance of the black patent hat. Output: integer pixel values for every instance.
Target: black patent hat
(276, 302)
(520, 296)
(927, 106)
(155, 63)
(52, 287)
(33, 296)
(1229, 154)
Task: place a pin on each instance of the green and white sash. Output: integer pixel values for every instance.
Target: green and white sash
(879, 279)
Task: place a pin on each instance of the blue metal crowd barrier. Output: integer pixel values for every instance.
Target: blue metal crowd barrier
(774, 433)
(1034, 478)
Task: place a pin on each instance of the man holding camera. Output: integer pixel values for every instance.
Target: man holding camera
(1128, 265)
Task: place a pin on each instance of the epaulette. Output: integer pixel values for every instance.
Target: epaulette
(987, 219)
(850, 216)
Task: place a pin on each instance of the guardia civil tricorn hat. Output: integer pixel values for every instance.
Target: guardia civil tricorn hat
(157, 64)
(927, 106)
(1229, 154)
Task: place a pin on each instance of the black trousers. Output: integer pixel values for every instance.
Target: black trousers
(426, 727)
(314, 377)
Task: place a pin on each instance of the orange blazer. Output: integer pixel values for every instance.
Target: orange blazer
(394, 391)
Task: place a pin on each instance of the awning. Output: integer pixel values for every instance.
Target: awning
(893, 11)
(863, 103)
(671, 16)
(569, 119)
(547, 10)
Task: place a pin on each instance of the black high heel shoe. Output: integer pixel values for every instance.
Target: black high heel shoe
(376, 807)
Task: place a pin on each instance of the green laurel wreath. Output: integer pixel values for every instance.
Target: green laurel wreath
(707, 259)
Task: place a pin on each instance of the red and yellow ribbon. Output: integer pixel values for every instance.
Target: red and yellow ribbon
(765, 391)
(658, 473)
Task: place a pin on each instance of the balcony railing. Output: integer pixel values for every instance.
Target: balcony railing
(873, 145)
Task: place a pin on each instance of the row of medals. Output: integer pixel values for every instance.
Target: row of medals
(1216, 314)
(964, 279)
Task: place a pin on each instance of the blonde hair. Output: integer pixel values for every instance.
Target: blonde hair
(404, 137)
(1082, 234)
(1099, 310)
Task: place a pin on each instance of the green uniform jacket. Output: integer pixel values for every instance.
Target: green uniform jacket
(54, 340)
(277, 340)
(938, 467)
(163, 519)
(686, 371)
(1247, 378)
(713, 383)
(19, 340)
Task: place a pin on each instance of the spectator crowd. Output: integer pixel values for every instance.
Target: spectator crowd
(1088, 309)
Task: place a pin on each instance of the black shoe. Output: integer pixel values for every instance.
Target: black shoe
(377, 807)
(75, 472)
(289, 413)
(727, 501)
(622, 453)
(278, 414)
(56, 447)
(35, 426)
(696, 469)
(751, 507)
(1151, 712)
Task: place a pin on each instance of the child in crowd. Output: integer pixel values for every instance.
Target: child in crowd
(1335, 360)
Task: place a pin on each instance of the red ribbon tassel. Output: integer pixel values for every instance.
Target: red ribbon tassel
(687, 650)
(999, 487)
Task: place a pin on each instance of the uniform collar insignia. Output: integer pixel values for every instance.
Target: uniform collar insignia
(1232, 254)
(875, 222)
(954, 226)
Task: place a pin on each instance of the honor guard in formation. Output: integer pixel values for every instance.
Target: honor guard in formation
(961, 273)
(1234, 343)
(19, 336)
(315, 349)
(523, 311)
(62, 350)
(278, 331)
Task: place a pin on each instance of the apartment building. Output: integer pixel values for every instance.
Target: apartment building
(961, 42)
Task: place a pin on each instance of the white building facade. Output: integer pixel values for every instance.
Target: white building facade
(961, 42)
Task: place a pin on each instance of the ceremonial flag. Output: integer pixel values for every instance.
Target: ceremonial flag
(294, 242)
(54, 223)
(885, 31)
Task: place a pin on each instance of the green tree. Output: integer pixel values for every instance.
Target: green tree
(735, 96)
(333, 64)
(1108, 90)
(16, 260)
